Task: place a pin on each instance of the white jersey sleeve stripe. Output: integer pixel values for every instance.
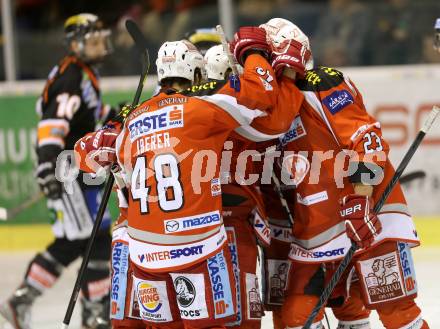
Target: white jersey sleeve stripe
(314, 102)
(242, 114)
(254, 135)
(61, 123)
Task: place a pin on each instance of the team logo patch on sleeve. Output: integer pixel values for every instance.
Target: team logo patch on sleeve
(336, 101)
(220, 286)
(190, 293)
(153, 300)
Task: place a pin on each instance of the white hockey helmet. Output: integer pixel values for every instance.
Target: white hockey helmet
(216, 63)
(178, 59)
(280, 31)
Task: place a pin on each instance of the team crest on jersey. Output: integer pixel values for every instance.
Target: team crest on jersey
(296, 131)
(149, 123)
(337, 100)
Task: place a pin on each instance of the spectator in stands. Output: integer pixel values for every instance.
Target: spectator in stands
(393, 36)
(341, 33)
(429, 54)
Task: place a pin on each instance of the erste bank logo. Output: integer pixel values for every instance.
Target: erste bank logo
(152, 122)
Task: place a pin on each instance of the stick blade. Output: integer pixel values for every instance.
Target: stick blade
(405, 179)
(139, 41)
(3, 214)
(136, 34)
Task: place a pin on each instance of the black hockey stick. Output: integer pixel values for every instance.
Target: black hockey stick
(347, 258)
(408, 178)
(405, 179)
(141, 45)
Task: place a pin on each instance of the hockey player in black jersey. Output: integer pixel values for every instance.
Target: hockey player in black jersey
(69, 107)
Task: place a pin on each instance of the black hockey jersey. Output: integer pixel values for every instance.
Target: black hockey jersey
(69, 107)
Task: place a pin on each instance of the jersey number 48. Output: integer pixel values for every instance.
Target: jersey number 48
(168, 185)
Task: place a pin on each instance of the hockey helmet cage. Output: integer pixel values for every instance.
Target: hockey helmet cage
(82, 26)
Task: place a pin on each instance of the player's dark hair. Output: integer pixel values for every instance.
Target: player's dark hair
(167, 83)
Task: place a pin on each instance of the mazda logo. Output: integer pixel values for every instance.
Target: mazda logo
(171, 226)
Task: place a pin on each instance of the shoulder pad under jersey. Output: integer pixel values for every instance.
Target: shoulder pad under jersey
(205, 89)
(320, 79)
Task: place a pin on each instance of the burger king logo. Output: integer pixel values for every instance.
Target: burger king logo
(148, 297)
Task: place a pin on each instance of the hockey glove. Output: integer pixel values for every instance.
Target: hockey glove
(47, 181)
(248, 39)
(290, 54)
(362, 225)
(97, 149)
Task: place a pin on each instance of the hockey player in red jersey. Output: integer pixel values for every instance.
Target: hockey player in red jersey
(243, 207)
(344, 160)
(182, 295)
(69, 107)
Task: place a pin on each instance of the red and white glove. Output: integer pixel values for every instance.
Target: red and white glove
(361, 223)
(96, 149)
(291, 54)
(249, 38)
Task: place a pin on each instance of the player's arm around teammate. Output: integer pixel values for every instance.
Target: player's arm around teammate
(334, 120)
(184, 285)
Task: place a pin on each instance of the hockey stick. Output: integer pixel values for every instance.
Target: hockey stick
(405, 179)
(141, 45)
(226, 49)
(348, 257)
(408, 178)
(6, 214)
